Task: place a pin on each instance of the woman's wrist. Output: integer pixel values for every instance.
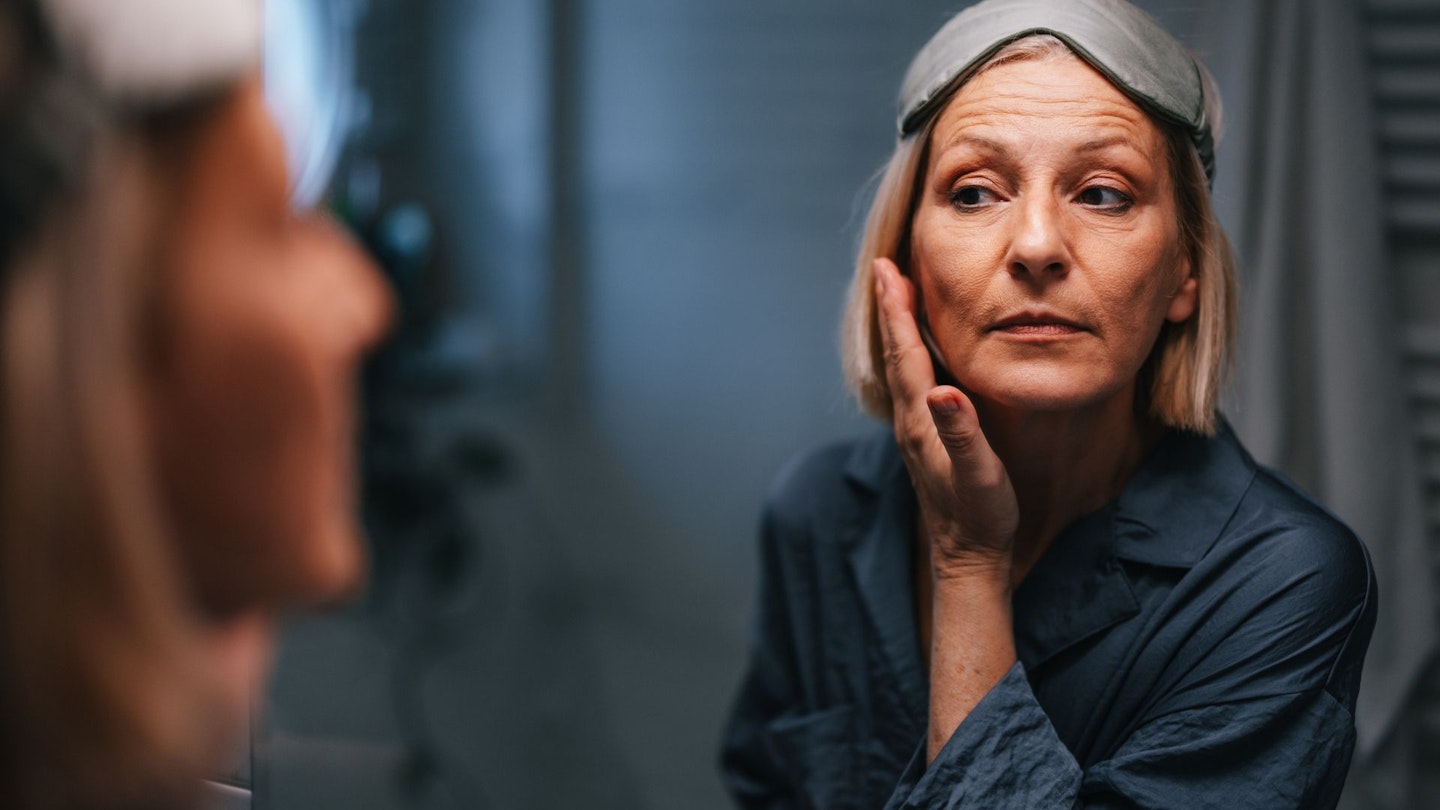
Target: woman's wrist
(970, 571)
(972, 644)
(973, 596)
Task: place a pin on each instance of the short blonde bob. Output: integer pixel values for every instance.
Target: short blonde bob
(1180, 383)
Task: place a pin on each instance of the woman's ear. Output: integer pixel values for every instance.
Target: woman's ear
(1182, 303)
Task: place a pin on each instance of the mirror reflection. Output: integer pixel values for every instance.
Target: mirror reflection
(504, 404)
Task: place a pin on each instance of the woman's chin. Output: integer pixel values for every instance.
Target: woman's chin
(334, 567)
(1045, 390)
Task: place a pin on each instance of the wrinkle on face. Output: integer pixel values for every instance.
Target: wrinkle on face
(1035, 140)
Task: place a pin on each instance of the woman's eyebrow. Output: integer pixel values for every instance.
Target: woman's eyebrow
(980, 142)
(1004, 154)
(1101, 144)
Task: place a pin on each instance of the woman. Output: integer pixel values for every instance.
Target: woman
(1059, 581)
(178, 354)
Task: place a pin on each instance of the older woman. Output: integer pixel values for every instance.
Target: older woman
(177, 348)
(1059, 581)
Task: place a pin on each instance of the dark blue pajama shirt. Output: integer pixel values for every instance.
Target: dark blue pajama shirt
(1195, 643)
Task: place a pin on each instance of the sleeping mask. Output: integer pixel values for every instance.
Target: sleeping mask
(1123, 43)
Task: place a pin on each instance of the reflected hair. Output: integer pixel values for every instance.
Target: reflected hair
(102, 701)
(1181, 381)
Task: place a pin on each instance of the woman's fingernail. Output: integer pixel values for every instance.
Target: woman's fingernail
(945, 407)
(879, 277)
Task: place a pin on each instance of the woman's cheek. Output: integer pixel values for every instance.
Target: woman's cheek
(250, 473)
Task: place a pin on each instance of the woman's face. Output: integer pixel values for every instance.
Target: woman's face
(1045, 243)
(262, 317)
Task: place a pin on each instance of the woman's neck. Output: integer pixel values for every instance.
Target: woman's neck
(1064, 465)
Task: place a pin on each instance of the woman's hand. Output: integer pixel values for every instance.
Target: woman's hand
(967, 511)
(967, 505)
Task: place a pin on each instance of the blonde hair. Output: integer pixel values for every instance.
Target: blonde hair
(101, 700)
(1182, 380)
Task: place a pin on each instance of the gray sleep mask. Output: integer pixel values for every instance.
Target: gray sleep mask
(1122, 42)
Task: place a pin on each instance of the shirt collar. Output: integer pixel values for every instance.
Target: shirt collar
(879, 547)
(874, 461)
(1169, 515)
(1175, 506)
(1171, 511)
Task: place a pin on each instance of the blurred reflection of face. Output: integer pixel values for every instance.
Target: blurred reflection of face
(262, 318)
(1046, 242)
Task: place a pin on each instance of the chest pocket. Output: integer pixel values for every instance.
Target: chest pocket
(818, 753)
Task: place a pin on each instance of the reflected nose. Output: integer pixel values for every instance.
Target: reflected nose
(363, 302)
(1037, 247)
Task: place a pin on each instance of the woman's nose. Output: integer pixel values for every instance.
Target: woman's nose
(1037, 246)
(362, 301)
(374, 301)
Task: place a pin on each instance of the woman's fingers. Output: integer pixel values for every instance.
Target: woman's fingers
(908, 371)
(974, 464)
(982, 501)
(964, 492)
(908, 367)
(957, 424)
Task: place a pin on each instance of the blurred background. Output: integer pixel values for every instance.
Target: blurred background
(621, 233)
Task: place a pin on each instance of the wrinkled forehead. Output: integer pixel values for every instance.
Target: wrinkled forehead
(1043, 108)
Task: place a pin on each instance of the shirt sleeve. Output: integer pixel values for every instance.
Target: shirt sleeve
(791, 741)
(749, 766)
(782, 749)
(1283, 751)
(1255, 709)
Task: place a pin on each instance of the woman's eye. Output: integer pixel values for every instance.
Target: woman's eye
(1104, 197)
(971, 196)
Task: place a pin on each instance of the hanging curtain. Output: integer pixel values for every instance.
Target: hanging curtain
(1319, 388)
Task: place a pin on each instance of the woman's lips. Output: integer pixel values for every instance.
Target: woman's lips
(1037, 324)
(1041, 329)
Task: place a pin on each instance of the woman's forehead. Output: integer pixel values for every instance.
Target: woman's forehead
(1059, 99)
